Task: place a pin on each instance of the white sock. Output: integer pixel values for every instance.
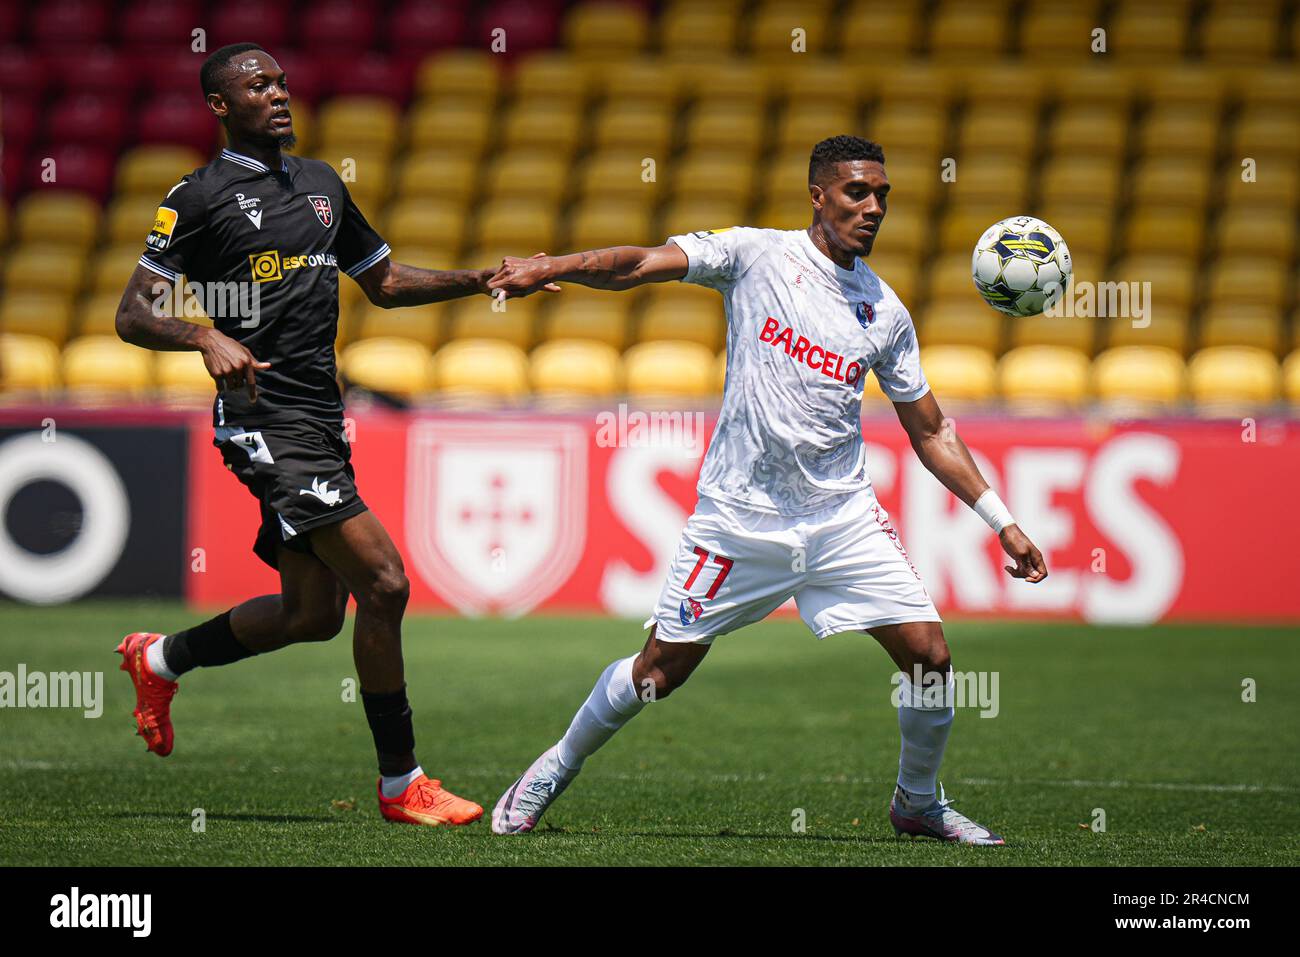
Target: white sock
(153, 656)
(393, 787)
(924, 727)
(611, 704)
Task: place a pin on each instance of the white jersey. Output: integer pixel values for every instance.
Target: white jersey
(801, 334)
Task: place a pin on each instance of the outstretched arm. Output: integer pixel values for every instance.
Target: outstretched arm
(391, 284)
(941, 450)
(140, 323)
(618, 267)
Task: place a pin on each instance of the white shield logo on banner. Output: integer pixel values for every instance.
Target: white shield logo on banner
(496, 511)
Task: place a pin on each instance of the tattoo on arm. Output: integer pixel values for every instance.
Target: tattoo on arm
(410, 286)
(141, 323)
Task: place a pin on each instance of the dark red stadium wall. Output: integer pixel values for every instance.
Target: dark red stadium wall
(133, 474)
(510, 514)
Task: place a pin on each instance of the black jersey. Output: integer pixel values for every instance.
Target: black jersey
(263, 249)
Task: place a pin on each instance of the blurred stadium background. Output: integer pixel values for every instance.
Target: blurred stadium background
(461, 155)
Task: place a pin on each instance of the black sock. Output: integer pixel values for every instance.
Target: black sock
(389, 715)
(204, 646)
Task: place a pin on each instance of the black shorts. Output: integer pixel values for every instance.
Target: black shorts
(301, 472)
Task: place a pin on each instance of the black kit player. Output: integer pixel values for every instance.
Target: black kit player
(286, 227)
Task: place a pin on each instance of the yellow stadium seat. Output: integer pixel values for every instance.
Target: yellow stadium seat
(740, 80)
(725, 127)
(619, 174)
(1182, 85)
(804, 124)
(552, 126)
(183, 379)
(97, 314)
(820, 85)
(454, 125)
(605, 31)
(422, 324)
(1074, 332)
(991, 178)
(996, 131)
(1097, 84)
(960, 373)
(720, 372)
(552, 74)
(396, 366)
(567, 368)
(366, 175)
(154, 169)
(475, 370)
(1240, 36)
(1261, 181)
(1266, 130)
(668, 370)
(96, 367)
(898, 269)
(1268, 233)
(724, 176)
(582, 313)
(530, 174)
(1085, 228)
(1136, 379)
(43, 268)
(1173, 278)
(688, 30)
(913, 177)
(785, 214)
(1168, 328)
(960, 229)
(1291, 377)
(1052, 31)
(57, 218)
(1233, 378)
(36, 313)
(1178, 130)
(684, 318)
(915, 85)
(1141, 31)
(437, 174)
(479, 318)
(1044, 378)
(459, 73)
(902, 126)
(639, 126)
(28, 365)
(365, 123)
(863, 24)
(651, 79)
(975, 30)
(1080, 179)
(1005, 86)
(113, 266)
(1248, 279)
(1229, 324)
(780, 31)
(1175, 181)
(966, 321)
(1085, 130)
(528, 226)
(689, 216)
(598, 223)
(130, 218)
(439, 223)
(1165, 230)
(904, 230)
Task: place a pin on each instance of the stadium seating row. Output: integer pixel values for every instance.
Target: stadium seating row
(1040, 377)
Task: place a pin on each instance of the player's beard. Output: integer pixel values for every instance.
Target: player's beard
(286, 141)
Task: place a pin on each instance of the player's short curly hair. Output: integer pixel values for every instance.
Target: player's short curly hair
(215, 72)
(841, 149)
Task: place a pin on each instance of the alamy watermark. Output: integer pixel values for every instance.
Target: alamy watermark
(636, 428)
(215, 300)
(967, 689)
(1087, 300)
(53, 689)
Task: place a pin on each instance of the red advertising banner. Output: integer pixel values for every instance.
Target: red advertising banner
(507, 514)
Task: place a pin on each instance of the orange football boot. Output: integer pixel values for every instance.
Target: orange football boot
(425, 802)
(153, 695)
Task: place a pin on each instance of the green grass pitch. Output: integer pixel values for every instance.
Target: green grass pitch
(1147, 724)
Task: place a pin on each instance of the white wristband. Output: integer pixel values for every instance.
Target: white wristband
(990, 508)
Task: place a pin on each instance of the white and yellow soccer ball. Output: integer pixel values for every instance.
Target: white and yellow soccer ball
(1021, 266)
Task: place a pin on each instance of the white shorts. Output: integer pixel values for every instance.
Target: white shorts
(845, 568)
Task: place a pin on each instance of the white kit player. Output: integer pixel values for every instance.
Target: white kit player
(786, 506)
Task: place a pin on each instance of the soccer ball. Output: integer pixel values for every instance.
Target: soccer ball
(1021, 266)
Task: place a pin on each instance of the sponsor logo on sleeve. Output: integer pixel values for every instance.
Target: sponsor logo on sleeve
(164, 223)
